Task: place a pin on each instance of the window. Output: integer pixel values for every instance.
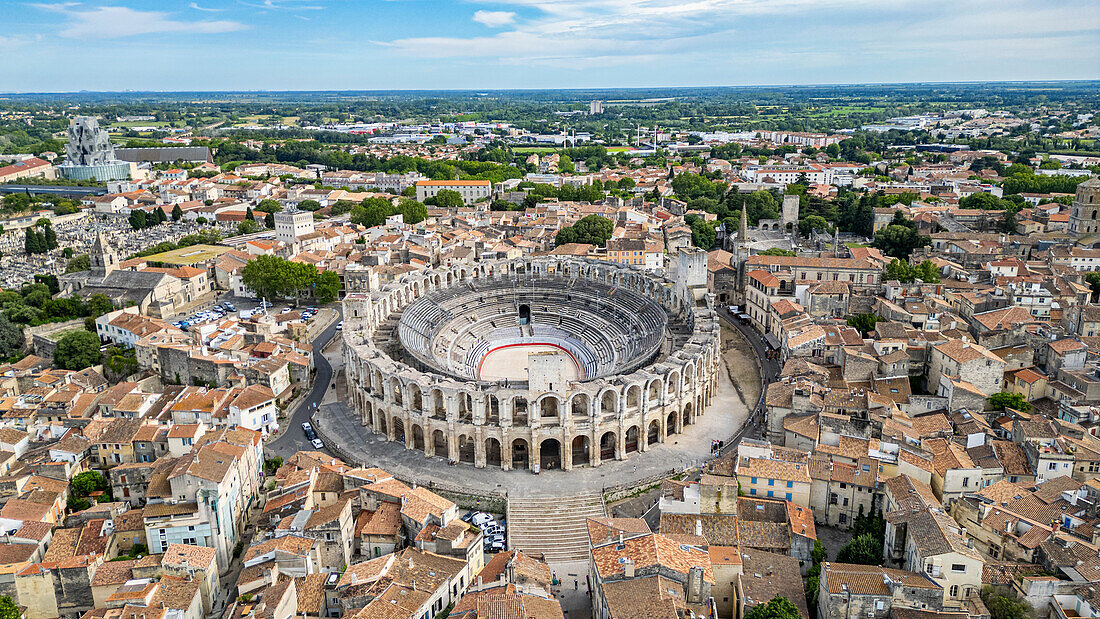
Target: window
(843, 519)
(788, 496)
(879, 604)
(954, 591)
(1052, 466)
(790, 484)
(752, 491)
(771, 482)
(771, 494)
(958, 567)
(966, 482)
(754, 480)
(845, 501)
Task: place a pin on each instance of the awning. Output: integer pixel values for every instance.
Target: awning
(771, 340)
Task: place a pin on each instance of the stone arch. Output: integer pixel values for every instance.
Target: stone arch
(549, 406)
(492, 410)
(654, 391)
(439, 404)
(670, 423)
(519, 411)
(396, 393)
(521, 454)
(688, 417)
(439, 444)
(382, 424)
(673, 384)
(608, 446)
(398, 430)
(550, 454)
(416, 397)
(376, 382)
(368, 413)
(633, 398)
(465, 407)
(465, 449)
(630, 444)
(418, 438)
(609, 401)
(654, 433)
(579, 405)
(492, 452)
(581, 450)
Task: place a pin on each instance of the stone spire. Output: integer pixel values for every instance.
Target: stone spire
(103, 259)
(743, 230)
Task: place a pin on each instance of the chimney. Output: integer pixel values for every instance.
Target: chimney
(694, 593)
(698, 527)
(628, 566)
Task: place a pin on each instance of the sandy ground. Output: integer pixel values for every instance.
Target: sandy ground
(512, 362)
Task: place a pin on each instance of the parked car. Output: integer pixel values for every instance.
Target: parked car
(340, 326)
(494, 547)
(318, 443)
(480, 519)
(307, 427)
(467, 517)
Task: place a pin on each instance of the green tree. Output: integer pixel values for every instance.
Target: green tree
(77, 350)
(1093, 280)
(1003, 606)
(372, 212)
(865, 323)
(89, 482)
(137, 219)
(12, 338)
(447, 198)
(249, 215)
(269, 220)
(1005, 399)
(328, 287)
(341, 207)
(269, 206)
(775, 251)
(248, 226)
(98, 305)
(778, 608)
(811, 223)
(261, 275)
(78, 263)
(900, 239)
(9, 609)
(927, 272)
(865, 549)
(177, 213)
(309, 205)
(592, 229)
(51, 237)
(412, 212)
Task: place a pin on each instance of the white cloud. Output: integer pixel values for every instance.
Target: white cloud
(109, 22)
(282, 5)
(494, 19)
(205, 9)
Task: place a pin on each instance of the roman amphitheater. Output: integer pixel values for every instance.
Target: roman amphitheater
(534, 363)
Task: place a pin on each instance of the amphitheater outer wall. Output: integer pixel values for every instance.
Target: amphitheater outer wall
(489, 424)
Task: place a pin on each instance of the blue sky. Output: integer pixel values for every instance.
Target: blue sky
(427, 44)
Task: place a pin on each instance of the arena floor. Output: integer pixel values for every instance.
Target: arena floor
(511, 362)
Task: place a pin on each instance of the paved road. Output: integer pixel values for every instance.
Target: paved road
(294, 439)
(769, 368)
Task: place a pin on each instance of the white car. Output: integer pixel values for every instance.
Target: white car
(318, 443)
(340, 326)
(481, 519)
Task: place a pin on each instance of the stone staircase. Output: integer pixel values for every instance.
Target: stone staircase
(555, 526)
